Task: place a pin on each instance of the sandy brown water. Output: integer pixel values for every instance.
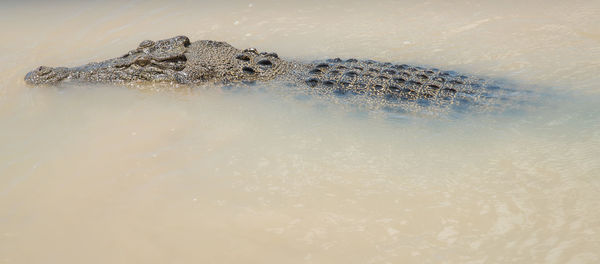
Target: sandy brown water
(111, 174)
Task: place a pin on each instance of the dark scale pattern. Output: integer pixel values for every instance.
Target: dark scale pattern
(398, 82)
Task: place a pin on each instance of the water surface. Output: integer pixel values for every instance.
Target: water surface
(111, 174)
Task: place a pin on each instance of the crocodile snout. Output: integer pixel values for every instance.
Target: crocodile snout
(44, 74)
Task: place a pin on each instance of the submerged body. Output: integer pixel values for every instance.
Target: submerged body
(177, 60)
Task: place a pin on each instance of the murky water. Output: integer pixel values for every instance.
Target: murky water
(108, 174)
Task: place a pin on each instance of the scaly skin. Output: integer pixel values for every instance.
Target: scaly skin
(177, 60)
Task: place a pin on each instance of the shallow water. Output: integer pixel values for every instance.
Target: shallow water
(110, 174)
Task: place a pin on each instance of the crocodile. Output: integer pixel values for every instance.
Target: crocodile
(177, 60)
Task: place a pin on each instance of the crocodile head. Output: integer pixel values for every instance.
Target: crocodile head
(151, 61)
(174, 60)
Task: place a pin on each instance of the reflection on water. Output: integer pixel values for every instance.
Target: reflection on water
(111, 174)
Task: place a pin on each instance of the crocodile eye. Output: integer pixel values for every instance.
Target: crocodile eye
(142, 60)
(183, 40)
(146, 44)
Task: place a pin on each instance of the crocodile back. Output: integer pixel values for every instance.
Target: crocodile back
(408, 87)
